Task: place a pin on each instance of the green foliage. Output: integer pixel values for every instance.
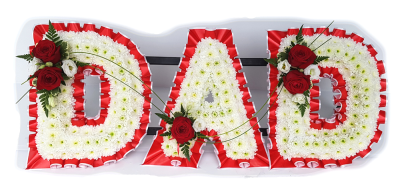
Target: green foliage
(200, 135)
(302, 108)
(319, 59)
(283, 56)
(185, 151)
(299, 37)
(64, 50)
(307, 93)
(192, 119)
(30, 77)
(165, 118)
(27, 57)
(183, 111)
(65, 77)
(80, 64)
(44, 96)
(55, 91)
(280, 82)
(166, 134)
(178, 114)
(52, 35)
(291, 45)
(272, 61)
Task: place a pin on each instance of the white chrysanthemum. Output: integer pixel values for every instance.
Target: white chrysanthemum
(358, 69)
(284, 66)
(210, 70)
(313, 71)
(104, 139)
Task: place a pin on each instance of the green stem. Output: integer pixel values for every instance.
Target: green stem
(128, 86)
(320, 34)
(24, 95)
(128, 72)
(322, 44)
(248, 119)
(25, 82)
(247, 129)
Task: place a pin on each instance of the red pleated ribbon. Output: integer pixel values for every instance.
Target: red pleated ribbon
(35, 161)
(156, 155)
(277, 161)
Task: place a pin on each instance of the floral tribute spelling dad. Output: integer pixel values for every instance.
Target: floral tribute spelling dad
(64, 137)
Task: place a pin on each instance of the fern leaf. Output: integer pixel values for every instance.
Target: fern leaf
(272, 61)
(53, 36)
(166, 134)
(302, 108)
(283, 56)
(299, 37)
(186, 152)
(27, 57)
(320, 58)
(81, 64)
(44, 100)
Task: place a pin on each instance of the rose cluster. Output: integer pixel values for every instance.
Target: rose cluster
(46, 55)
(298, 69)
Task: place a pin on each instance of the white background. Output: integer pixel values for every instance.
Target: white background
(377, 19)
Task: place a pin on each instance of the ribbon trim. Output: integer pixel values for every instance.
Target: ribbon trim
(35, 161)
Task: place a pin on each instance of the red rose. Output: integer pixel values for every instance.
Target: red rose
(301, 56)
(296, 82)
(182, 129)
(48, 78)
(47, 51)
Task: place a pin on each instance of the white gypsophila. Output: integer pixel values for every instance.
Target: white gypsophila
(32, 66)
(313, 71)
(299, 98)
(284, 66)
(211, 71)
(69, 67)
(295, 138)
(57, 138)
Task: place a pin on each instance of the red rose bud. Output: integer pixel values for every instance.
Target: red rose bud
(182, 129)
(296, 82)
(34, 82)
(49, 64)
(301, 56)
(48, 78)
(47, 51)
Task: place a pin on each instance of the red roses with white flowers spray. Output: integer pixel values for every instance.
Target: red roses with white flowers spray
(47, 58)
(182, 130)
(298, 66)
